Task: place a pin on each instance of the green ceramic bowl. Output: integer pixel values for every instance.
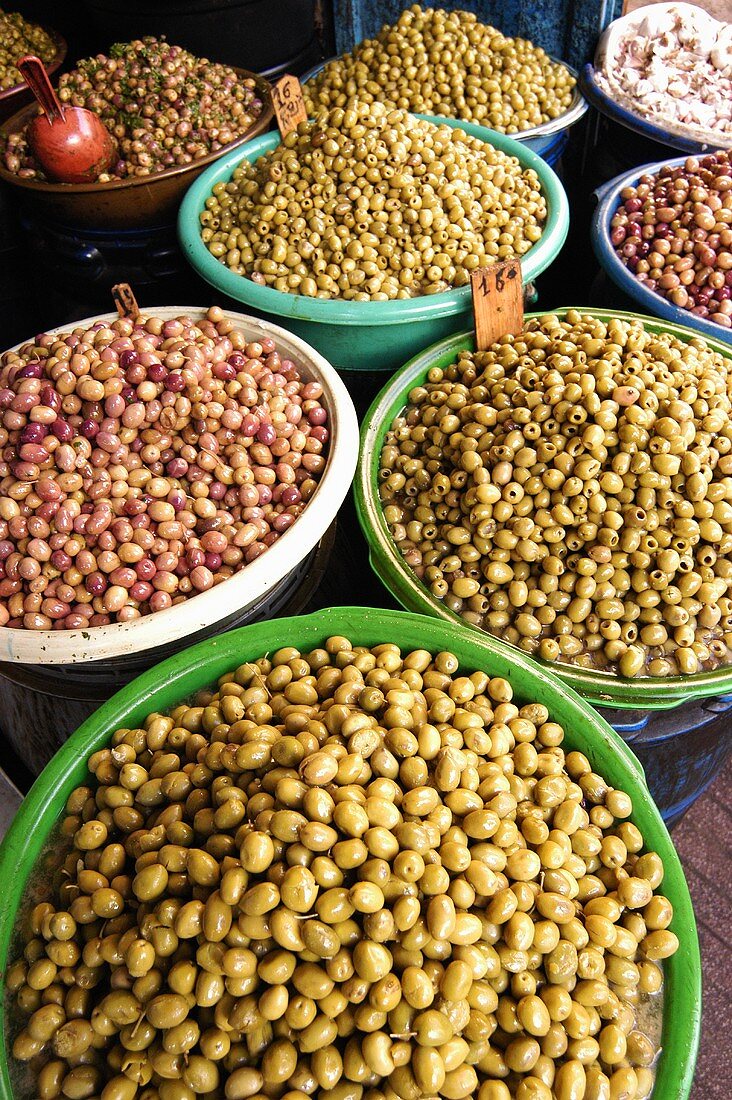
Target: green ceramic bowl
(604, 689)
(374, 336)
(181, 676)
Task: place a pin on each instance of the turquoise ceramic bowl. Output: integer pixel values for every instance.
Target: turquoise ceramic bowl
(365, 336)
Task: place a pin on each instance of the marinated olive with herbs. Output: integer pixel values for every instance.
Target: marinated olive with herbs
(428, 919)
(570, 490)
(164, 107)
(437, 62)
(370, 203)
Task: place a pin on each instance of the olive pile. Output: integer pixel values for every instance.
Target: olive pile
(570, 490)
(144, 461)
(348, 873)
(17, 38)
(674, 232)
(436, 62)
(164, 107)
(370, 203)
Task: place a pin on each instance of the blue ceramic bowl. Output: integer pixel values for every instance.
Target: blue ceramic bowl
(649, 301)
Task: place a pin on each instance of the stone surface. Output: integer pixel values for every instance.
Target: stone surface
(704, 841)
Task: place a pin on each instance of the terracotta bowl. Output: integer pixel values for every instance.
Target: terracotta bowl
(127, 203)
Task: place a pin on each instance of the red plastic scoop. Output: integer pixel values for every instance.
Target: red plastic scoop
(71, 144)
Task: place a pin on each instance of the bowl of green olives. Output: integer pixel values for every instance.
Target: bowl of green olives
(302, 857)
(449, 63)
(548, 138)
(346, 235)
(566, 490)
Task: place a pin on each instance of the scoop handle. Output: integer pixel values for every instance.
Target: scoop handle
(34, 74)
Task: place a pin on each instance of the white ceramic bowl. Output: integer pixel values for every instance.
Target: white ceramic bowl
(254, 581)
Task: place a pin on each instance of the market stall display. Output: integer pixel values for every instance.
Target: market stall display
(171, 114)
(664, 234)
(364, 854)
(368, 335)
(318, 914)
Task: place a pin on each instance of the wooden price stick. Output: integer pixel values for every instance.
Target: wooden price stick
(288, 103)
(498, 302)
(125, 300)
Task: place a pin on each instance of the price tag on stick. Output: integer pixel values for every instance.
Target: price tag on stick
(125, 300)
(288, 103)
(498, 302)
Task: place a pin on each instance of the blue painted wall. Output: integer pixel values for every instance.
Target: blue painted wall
(565, 28)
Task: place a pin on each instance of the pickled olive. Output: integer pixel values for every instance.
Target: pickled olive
(570, 1081)
(659, 944)
(373, 167)
(230, 104)
(414, 63)
(566, 490)
(432, 1029)
(243, 1083)
(408, 920)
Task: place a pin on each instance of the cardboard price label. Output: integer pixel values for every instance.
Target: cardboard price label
(125, 300)
(498, 302)
(288, 103)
